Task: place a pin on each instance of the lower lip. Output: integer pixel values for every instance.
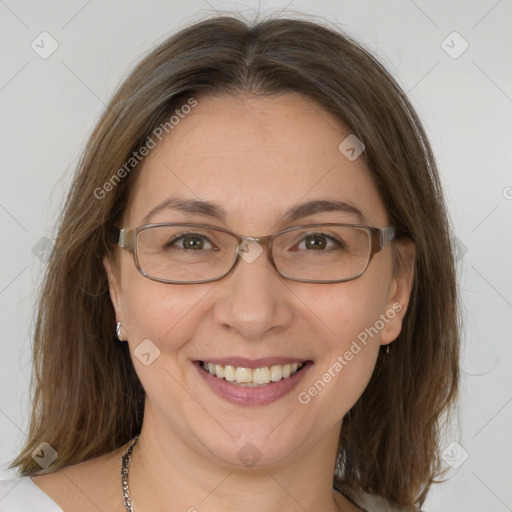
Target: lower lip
(260, 395)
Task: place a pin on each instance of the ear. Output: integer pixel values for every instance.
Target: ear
(399, 292)
(114, 288)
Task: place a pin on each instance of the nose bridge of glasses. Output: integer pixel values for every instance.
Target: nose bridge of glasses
(244, 241)
(260, 240)
(250, 248)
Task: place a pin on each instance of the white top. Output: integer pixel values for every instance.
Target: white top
(23, 495)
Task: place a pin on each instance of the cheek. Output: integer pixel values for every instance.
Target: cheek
(162, 318)
(342, 311)
(163, 313)
(348, 345)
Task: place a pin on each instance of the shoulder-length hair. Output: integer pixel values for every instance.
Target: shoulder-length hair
(88, 400)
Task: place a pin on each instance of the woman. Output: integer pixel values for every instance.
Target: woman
(258, 220)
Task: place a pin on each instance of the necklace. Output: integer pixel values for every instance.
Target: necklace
(125, 462)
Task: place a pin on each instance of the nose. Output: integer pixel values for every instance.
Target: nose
(254, 300)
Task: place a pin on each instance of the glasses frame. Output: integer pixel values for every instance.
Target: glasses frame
(126, 239)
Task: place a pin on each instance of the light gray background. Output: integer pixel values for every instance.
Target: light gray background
(49, 106)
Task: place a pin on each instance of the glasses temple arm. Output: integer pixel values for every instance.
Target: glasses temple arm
(386, 235)
(122, 237)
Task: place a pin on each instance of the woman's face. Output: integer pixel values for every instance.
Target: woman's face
(256, 158)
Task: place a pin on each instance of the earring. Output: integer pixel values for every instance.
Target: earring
(387, 346)
(118, 331)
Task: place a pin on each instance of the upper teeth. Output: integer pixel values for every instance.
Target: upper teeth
(249, 376)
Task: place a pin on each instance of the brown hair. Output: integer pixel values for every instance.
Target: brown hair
(88, 400)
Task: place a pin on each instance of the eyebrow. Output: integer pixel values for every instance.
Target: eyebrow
(215, 211)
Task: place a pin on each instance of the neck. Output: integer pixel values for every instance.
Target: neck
(165, 472)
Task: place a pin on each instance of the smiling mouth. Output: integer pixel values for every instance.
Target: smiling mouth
(252, 377)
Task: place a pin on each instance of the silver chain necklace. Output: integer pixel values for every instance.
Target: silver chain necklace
(125, 462)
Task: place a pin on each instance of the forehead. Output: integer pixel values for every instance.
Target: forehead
(257, 157)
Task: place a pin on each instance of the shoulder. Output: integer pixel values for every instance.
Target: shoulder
(22, 494)
(370, 502)
(94, 484)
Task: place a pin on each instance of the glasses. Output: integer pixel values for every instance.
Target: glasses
(200, 253)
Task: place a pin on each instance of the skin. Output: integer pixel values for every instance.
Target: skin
(256, 157)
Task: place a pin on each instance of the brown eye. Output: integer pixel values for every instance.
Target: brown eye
(189, 241)
(315, 242)
(320, 241)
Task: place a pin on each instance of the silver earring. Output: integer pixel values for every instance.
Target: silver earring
(118, 331)
(387, 346)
